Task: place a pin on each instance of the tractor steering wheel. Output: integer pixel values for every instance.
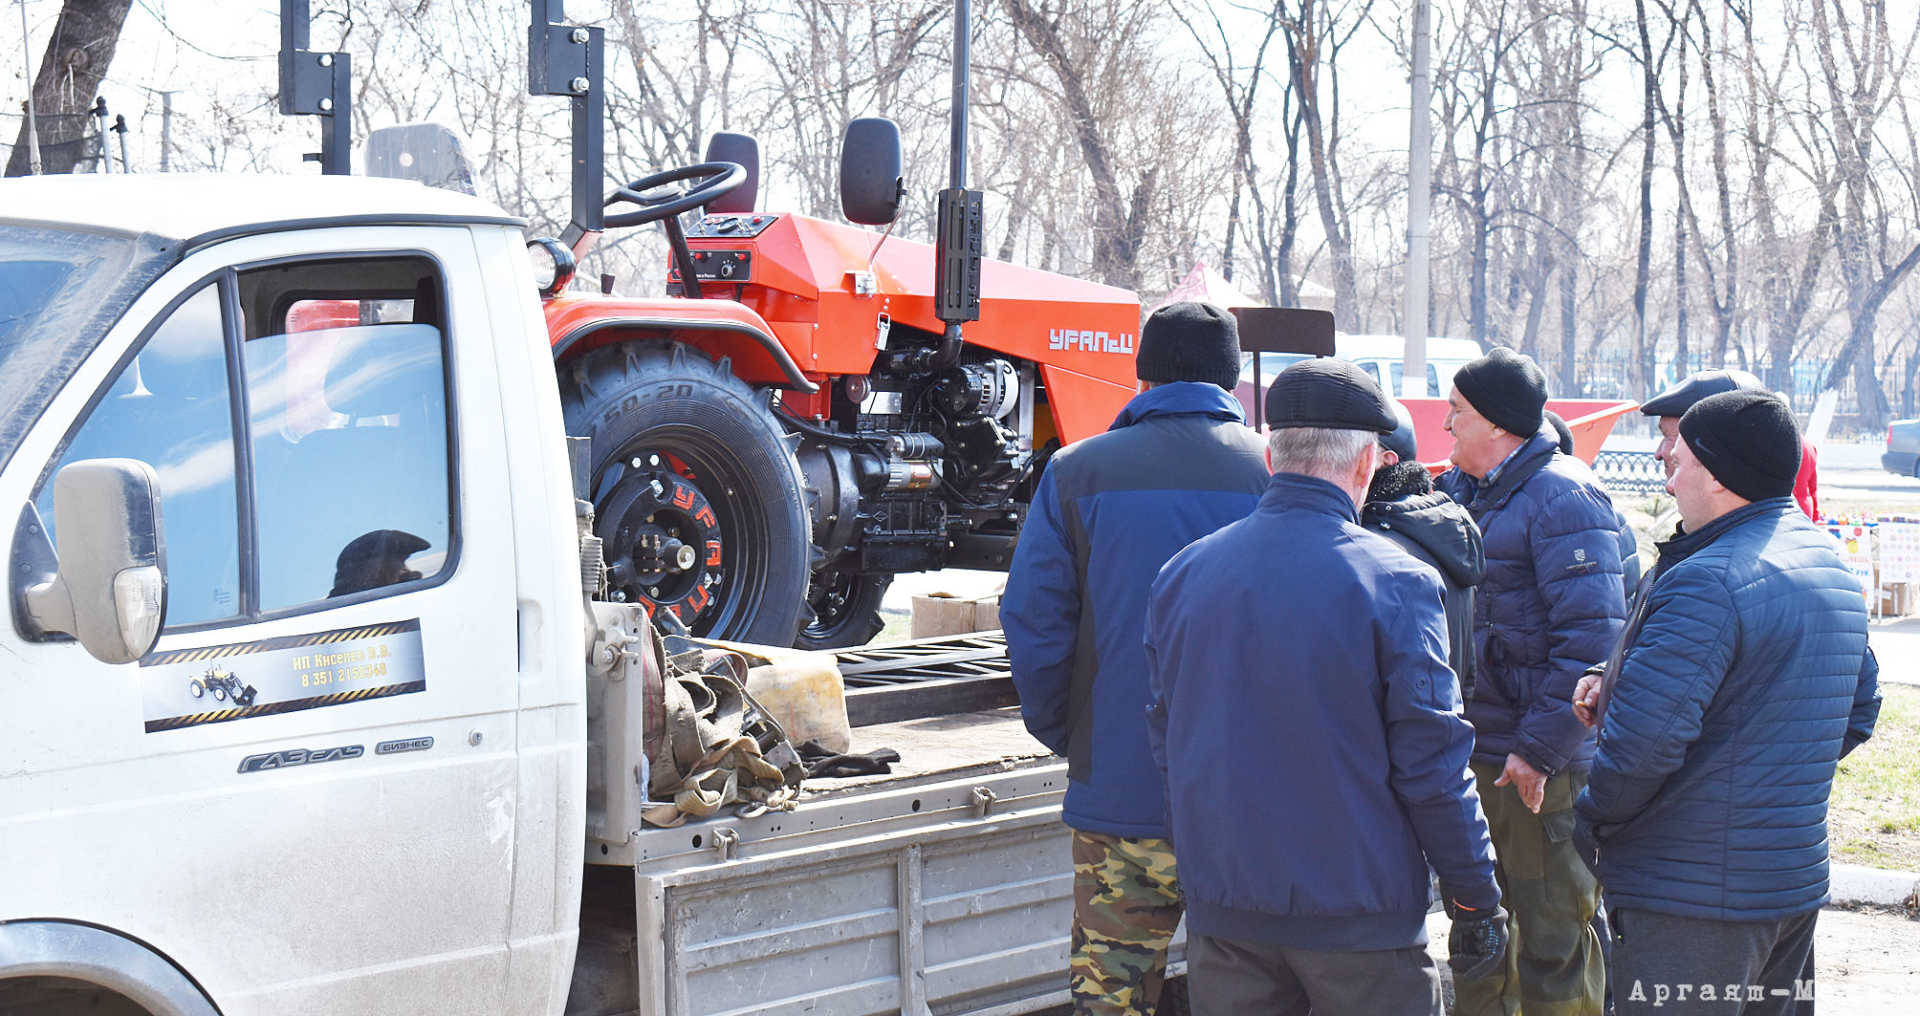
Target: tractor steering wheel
(715, 180)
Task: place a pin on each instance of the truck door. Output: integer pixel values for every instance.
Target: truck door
(305, 796)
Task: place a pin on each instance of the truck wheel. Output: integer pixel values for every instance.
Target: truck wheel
(697, 496)
(845, 611)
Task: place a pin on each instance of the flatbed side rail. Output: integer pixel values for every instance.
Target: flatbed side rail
(962, 906)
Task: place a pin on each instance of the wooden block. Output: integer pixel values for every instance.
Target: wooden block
(939, 614)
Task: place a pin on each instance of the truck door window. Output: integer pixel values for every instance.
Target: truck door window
(169, 407)
(347, 394)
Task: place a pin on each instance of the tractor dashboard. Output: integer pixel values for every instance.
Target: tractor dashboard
(744, 224)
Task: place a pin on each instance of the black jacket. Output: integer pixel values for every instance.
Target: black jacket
(1441, 534)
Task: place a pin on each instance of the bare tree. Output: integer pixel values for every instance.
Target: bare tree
(1862, 69)
(1722, 279)
(1650, 67)
(75, 62)
(1786, 279)
(1316, 33)
(1076, 48)
(1239, 90)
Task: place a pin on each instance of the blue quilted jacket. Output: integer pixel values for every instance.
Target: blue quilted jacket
(1551, 605)
(1304, 717)
(1748, 678)
(1177, 464)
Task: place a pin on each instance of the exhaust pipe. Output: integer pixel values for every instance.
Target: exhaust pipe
(960, 236)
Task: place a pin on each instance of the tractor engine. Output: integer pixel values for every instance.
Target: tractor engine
(921, 470)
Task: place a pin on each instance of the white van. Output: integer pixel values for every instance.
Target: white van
(1379, 355)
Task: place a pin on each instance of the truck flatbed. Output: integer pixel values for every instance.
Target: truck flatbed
(944, 886)
(936, 745)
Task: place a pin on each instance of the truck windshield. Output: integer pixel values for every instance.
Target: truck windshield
(60, 290)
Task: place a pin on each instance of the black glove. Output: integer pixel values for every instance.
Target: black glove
(1477, 945)
(821, 761)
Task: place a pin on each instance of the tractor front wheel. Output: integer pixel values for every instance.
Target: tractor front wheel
(697, 496)
(845, 609)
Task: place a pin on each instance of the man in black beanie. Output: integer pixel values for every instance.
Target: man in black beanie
(1189, 342)
(1178, 463)
(1296, 651)
(1551, 604)
(1744, 678)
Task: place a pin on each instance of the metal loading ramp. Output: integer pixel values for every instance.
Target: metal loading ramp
(928, 677)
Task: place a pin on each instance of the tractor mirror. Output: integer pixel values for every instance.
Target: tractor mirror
(871, 185)
(743, 150)
(427, 153)
(111, 590)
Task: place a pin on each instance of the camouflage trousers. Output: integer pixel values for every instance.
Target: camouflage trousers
(1126, 905)
(1554, 961)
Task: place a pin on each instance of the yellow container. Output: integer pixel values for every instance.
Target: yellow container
(803, 690)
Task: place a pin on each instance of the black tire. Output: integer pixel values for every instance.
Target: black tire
(659, 413)
(844, 611)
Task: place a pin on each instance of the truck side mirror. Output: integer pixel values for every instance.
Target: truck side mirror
(741, 150)
(871, 185)
(111, 590)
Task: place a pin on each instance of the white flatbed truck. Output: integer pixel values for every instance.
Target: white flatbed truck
(296, 696)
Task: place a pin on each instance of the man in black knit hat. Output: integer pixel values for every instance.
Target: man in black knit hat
(1178, 463)
(1550, 606)
(1744, 677)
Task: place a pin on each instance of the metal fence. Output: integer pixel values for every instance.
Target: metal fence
(1630, 472)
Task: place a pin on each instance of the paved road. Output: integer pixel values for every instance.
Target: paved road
(1903, 491)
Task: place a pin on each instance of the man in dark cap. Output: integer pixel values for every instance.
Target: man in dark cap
(1178, 463)
(1669, 406)
(1550, 606)
(1746, 677)
(1303, 717)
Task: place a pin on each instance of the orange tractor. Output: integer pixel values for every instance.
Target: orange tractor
(779, 437)
(813, 407)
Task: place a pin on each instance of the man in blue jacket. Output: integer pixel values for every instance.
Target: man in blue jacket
(1746, 677)
(1550, 606)
(1303, 718)
(1178, 463)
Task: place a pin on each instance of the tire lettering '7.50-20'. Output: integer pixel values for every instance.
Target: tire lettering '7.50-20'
(632, 402)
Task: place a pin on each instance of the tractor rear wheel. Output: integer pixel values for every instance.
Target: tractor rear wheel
(845, 610)
(697, 496)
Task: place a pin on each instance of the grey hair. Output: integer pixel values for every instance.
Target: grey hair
(1317, 451)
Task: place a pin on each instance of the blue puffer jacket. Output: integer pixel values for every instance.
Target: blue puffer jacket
(1177, 464)
(1303, 715)
(1747, 680)
(1551, 605)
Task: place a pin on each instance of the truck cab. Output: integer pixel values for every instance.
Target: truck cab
(368, 649)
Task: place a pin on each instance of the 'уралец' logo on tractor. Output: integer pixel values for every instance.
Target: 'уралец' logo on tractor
(1120, 343)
